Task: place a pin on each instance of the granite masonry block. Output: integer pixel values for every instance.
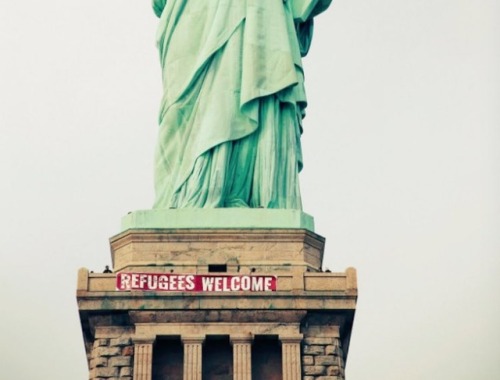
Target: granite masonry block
(330, 350)
(324, 360)
(319, 340)
(99, 362)
(106, 372)
(334, 371)
(314, 370)
(314, 350)
(120, 342)
(120, 361)
(307, 360)
(125, 371)
(128, 351)
(101, 342)
(107, 351)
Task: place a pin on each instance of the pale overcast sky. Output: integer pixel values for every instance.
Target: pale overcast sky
(402, 173)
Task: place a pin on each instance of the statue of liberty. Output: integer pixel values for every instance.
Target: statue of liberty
(231, 114)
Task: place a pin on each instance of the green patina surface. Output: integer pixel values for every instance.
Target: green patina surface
(218, 218)
(231, 114)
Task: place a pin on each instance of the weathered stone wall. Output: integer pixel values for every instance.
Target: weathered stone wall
(112, 359)
(322, 359)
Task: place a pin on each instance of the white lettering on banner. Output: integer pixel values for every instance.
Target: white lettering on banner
(192, 282)
(125, 280)
(208, 283)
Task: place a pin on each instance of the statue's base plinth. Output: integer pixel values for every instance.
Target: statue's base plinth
(299, 330)
(217, 218)
(196, 250)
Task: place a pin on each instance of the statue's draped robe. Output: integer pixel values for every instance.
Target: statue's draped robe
(230, 118)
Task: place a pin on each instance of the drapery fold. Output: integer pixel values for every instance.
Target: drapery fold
(223, 63)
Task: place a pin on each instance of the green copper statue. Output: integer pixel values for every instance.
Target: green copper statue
(231, 114)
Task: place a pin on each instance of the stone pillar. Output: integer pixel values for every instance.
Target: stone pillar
(192, 357)
(143, 359)
(290, 347)
(242, 357)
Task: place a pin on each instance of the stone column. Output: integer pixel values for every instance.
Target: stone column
(192, 357)
(143, 359)
(290, 347)
(242, 357)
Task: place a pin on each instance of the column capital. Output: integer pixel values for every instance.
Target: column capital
(241, 339)
(193, 339)
(144, 339)
(291, 339)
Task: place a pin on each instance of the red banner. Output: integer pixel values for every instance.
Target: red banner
(163, 282)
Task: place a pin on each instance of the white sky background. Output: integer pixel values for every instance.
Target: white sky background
(402, 173)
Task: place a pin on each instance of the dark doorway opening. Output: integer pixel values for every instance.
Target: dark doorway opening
(266, 358)
(168, 359)
(217, 358)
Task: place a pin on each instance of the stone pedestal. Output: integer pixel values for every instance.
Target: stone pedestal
(307, 320)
